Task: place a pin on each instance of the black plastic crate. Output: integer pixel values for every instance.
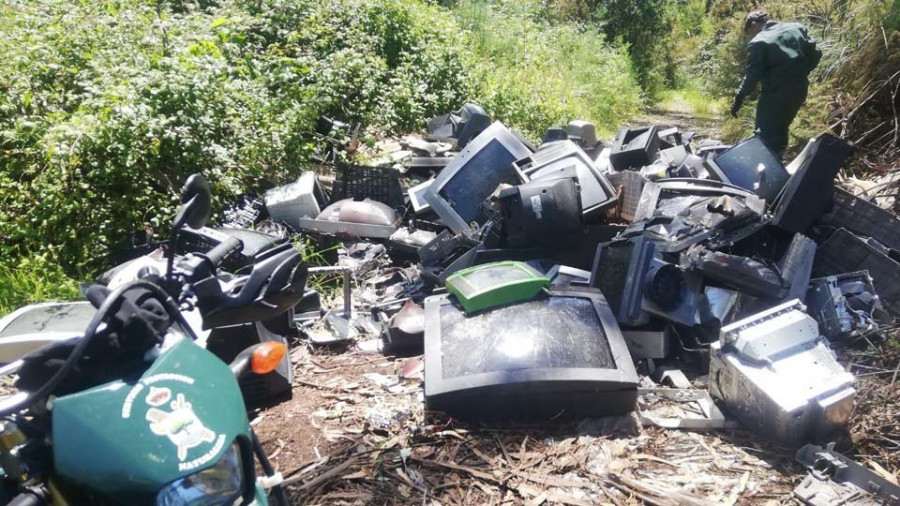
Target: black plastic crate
(381, 184)
(863, 218)
(845, 252)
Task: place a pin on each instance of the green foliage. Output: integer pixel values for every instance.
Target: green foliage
(644, 29)
(106, 107)
(33, 279)
(691, 26)
(691, 102)
(533, 71)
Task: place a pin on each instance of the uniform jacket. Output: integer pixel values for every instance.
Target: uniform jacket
(781, 57)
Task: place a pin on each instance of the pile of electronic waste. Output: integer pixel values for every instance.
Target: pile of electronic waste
(540, 280)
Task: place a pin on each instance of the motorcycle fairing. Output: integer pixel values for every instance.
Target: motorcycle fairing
(126, 441)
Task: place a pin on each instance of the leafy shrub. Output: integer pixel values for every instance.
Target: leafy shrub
(642, 28)
(106, 107)
(33, 279)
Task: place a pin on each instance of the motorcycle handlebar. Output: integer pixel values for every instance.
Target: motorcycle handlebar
(224, 250)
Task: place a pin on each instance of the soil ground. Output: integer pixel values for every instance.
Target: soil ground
(678, 110)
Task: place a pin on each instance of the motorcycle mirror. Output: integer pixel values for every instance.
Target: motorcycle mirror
(196, 206)
(196, 203)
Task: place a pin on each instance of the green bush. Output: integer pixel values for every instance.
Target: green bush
(642, 28)
(691, 28)
(33, 279)
(106, 107)
(645, 30)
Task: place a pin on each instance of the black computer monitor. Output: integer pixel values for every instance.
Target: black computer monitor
(559, 355)
(638, 282)
(543, 213)
(618, 272)
(751, 164)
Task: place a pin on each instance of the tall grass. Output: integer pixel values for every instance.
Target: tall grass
(33, 280)
(533, 72)
(692, 101)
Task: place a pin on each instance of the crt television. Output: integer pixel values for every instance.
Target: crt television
(558, 355)
(752, 165)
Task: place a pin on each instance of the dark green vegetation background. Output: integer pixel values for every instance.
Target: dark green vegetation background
(107, 106)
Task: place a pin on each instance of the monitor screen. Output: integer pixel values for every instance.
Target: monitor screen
(751, 165)
(558, 354)
(611, 273)
(478, 179)
(547, 332)
(473, 175)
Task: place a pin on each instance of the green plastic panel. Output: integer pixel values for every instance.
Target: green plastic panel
(495, 284)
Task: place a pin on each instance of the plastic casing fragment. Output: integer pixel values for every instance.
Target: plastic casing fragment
(490, 285)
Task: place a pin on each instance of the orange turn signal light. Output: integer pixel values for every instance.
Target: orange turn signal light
(267, 356)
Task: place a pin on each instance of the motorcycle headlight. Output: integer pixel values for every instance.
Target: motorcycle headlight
(218, 485)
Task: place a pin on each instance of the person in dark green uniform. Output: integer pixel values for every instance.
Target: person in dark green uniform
(782, 55)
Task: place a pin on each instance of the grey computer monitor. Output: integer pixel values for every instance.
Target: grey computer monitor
(473, 175)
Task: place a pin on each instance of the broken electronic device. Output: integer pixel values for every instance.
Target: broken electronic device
(542, 213)
(752, 165)
(474, 174)
(639, 282)
(597, 194)
(558, 355)
(633, 148)
(354, 218)
(776, 374)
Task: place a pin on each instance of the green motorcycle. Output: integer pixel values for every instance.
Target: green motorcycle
(170, 430)
(136, 411)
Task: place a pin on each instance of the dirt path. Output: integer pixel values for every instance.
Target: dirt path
(689, 112)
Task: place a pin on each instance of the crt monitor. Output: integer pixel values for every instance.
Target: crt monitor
(543, 213)
(474, 174)
(618, 272)
(558, 355)
(554, 160)
(752, 165)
